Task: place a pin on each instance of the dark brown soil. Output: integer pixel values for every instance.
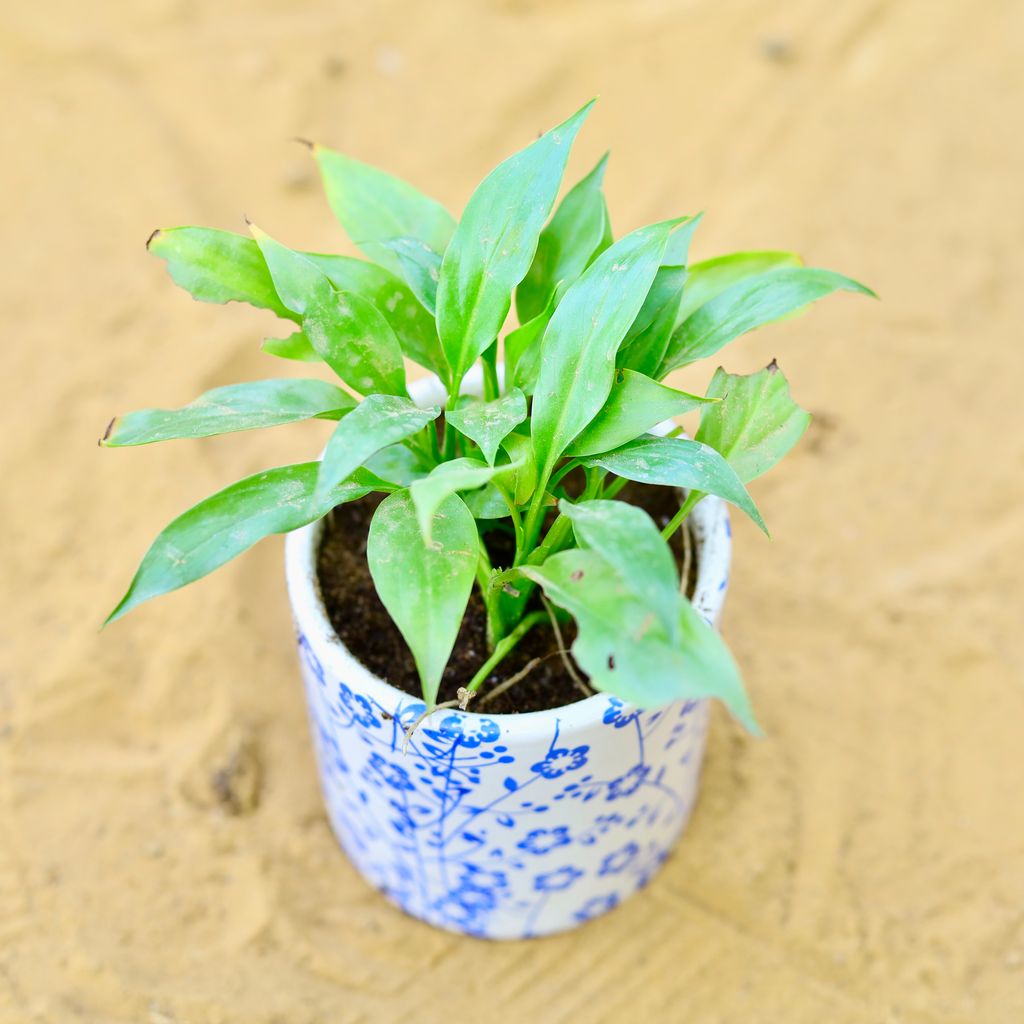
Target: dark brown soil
(363, 624)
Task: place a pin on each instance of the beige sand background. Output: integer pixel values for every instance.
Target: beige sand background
(163, 853)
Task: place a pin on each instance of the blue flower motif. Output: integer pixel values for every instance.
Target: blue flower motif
(358, 707)
(557, 880)
(596, 905)
(379, 770)
(466, 903)
(483, 878)
(615, 715)
(544, 840)
(469, 730)
(619, 860)
(406, 714)
(561, 760)
(628, 784)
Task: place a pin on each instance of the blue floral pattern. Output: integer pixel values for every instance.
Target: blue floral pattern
(560, 760)
(544, 840)
(475, 835)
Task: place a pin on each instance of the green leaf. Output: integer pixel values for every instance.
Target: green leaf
(376, 422)
(448, 478)
(644, 348)
(626, 651)
(220, 266)
(748, 304)
(398, 464)
(232, 520)
(494, 243)
(347, 331)
(217, 266)
(666, 288)
(523, 349)
(425, 587)
(628, 540)
(296, 346)
(374, 207)
(353, 339)
(580, 343)
(413, 325)
(636, 404)
(489, 423)
(676, 462)
(566, 245)
(645, 343)
(756, 422)
(711, 277)
(260, 403)
(487, 503)
(421, 268)
(520, 450)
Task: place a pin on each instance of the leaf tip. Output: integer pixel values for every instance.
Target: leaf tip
(118, 611)
(303, 142)
(104, 440)
(749, 722)
(155, 233)
(773, 366)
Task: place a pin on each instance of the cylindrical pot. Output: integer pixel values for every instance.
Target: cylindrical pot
(500, 826)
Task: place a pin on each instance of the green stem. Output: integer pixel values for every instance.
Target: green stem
(595, 477)
(504, 646)
(433, 445)
(614, 487)
(561, 530)
(685, 509)
(517, 519)
(484, 570)
(490, 364)
(557, 478)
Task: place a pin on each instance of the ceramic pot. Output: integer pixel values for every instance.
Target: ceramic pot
(500, 826)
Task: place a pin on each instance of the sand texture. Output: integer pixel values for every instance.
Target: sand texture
(164, 856)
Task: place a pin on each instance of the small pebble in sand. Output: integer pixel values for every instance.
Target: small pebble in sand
(777, 49)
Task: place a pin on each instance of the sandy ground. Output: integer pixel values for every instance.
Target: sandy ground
(163, 852)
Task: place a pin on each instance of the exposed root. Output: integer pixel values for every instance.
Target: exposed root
(566, 660)
(461, 702)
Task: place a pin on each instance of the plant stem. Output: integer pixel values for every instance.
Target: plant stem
(449, 433)
(484, 570)
(531, 526)
(677, 520)
(517, 519)
(433, 445)
(503, 647)
(614, 487)
(490, 364)
(557, 478)
(556, 537)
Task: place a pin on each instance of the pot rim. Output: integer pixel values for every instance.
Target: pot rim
(712, 538)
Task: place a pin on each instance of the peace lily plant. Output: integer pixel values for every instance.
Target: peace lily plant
(602, 323)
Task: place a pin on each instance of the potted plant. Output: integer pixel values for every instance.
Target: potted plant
(505, 577)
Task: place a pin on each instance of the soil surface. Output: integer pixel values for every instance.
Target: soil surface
(362, 622)
(164, 853)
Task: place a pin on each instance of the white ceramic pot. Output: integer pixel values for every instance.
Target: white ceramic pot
(500, 826)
